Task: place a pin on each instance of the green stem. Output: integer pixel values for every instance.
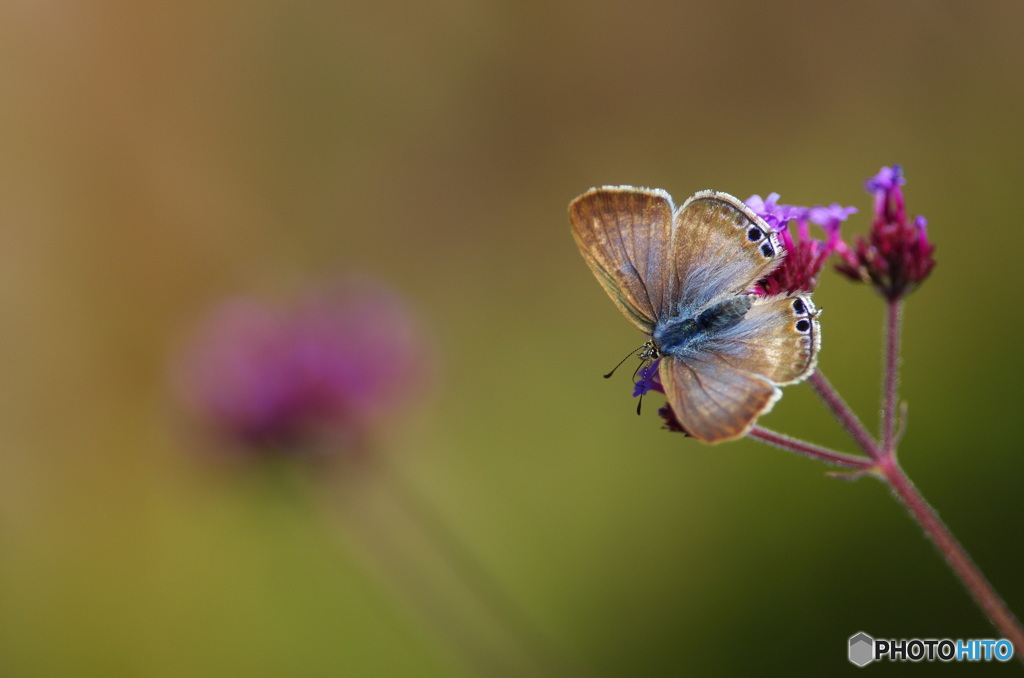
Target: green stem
(475, 576)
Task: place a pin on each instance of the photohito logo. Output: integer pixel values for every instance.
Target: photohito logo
(864, 649)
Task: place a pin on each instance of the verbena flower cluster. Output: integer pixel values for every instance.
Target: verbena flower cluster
(896, 256)
(286, 377)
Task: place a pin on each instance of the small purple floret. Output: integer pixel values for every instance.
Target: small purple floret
(805, 255)
(887, 179)
(648, 380)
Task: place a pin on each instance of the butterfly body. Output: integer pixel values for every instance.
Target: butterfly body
(676, 334)
(684, 277)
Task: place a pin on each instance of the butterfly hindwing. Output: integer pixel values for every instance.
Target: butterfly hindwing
(712, 400)
(778, 338)
(624, 235)
(719, 248)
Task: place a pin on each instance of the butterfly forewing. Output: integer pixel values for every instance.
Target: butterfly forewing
(712, 400)
(719, 248)
(624, 235)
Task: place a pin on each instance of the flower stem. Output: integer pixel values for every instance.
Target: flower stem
(809, 449)
(892, 356)
(844, 414)
(475, 576)
(984, 595)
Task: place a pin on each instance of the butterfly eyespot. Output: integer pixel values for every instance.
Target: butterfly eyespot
(798, 306)
(754, 234)
(767, 249)
(803, 325)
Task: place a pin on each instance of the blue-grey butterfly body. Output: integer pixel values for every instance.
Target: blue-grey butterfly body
(683, 277)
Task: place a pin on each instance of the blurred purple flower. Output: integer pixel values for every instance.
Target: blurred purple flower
(277, 378)
(805, 255)
(887, 180)
(896, 256)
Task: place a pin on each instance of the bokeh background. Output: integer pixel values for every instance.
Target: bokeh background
(157, 157)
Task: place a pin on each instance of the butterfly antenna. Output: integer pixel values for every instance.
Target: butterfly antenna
(628, 355)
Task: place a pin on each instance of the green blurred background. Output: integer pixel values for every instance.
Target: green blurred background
(159, 156)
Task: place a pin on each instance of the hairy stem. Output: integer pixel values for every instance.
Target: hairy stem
(809, 449)
(892, 358)
(844, 414)
(964, 568)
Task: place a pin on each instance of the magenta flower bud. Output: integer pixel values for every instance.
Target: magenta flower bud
(306, 377)
(896, 256)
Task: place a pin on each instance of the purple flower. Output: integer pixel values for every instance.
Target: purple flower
(648, 381)
(287, 378)
(805, 255)
(651, 381)
(771, 211)
(888, 179)
(896, 256)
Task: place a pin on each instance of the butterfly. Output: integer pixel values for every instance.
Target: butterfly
(684, 277)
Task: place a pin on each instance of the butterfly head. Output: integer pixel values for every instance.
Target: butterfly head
(649, 352)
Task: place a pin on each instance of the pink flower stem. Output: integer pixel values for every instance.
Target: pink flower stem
(809, 449)
(964, 568)
(889, 470)
(892, 357)
(844, 414)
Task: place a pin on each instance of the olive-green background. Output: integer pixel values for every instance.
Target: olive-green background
(155, 157)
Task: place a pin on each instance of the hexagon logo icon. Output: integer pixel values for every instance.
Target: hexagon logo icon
(862, 649)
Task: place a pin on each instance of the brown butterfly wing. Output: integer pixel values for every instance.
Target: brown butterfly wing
(713, 400)
(719, 248)
(624, 235)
